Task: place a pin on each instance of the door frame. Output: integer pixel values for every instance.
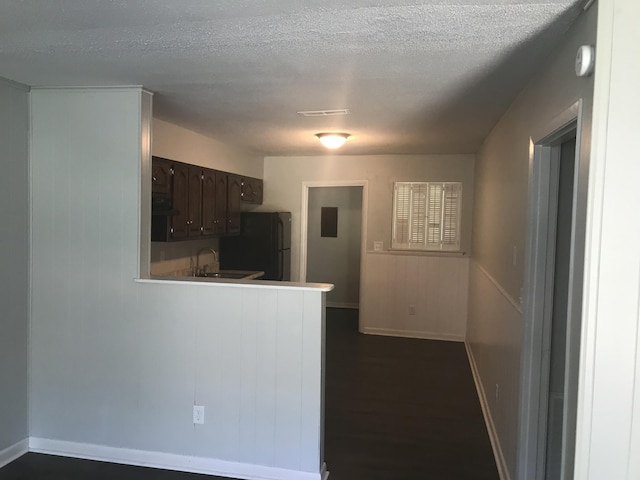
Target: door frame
(304, 216)
(544, 161)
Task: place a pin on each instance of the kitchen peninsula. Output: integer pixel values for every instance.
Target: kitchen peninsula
(129, 355)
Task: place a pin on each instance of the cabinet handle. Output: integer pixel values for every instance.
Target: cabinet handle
(155, 179)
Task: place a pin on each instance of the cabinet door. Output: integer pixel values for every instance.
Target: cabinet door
(209, 202)
(179, 222)
(221, 204)
(252, 190)
(234, 198)
(195, 202)
(160, 175)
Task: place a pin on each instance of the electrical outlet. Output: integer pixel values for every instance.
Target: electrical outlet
(412, 309)
(198, 414)
(378, 246)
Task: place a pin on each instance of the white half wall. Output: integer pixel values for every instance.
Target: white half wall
(118, 363)
(433, 287)
(14, 264)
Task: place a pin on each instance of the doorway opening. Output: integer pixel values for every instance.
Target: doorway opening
(335, 257)
(553, 301)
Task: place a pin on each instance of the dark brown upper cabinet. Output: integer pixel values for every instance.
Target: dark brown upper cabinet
(161, 176)
(252, 190)
(221, 203)
(195, 202)
(214, 202)
(200, 202)
(234, 198)
(180, 220)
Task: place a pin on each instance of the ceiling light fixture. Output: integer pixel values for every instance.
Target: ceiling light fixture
(323, 113)
(332, 140)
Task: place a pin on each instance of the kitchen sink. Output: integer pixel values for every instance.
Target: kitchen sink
(232, 274)
(235, 275)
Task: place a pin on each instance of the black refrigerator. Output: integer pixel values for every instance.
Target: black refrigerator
(264, 244)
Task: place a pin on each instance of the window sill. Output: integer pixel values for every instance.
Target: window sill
(420, 253)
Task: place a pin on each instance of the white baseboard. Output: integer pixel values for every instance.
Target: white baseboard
(354, 306)
(501, 464)
(389, 332)
(14, 451)
(167, 461)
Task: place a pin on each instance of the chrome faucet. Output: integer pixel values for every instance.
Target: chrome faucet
(216, 263)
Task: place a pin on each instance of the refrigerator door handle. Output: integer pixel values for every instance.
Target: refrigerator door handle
(281, 248)
(280, 245)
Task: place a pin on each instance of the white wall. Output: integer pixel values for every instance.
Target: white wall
(284, 176)
(116, 364)
(500, 216)
(14, 264)
(177, 143)
(336, 260)
(608, 437)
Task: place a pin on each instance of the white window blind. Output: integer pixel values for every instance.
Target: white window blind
(426, 215)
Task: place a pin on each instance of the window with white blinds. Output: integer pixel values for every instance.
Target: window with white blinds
(426, 215)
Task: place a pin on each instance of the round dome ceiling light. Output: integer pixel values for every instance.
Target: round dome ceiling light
(332, 140)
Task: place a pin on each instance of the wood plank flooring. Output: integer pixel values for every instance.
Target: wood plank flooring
(396, 408)
(399, 408)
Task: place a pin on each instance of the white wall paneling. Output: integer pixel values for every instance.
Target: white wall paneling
(435, 285)
(14, 262)
(116, 363)
(608, 435)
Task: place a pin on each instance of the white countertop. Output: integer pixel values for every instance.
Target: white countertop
(234, 282)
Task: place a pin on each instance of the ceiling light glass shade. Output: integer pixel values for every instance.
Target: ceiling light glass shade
(332, 140)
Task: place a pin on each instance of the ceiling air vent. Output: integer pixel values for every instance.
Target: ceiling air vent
(323, 113)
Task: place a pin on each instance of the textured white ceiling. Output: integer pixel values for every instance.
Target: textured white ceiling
(418, 76)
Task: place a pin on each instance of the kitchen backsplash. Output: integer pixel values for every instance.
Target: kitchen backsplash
(178, 259)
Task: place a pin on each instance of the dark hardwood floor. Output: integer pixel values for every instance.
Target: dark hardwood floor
(399, 408)
(35, 466)
(396, 408)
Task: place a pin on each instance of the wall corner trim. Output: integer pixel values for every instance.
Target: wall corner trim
(14, 451)
(167, 461)
(501, 463)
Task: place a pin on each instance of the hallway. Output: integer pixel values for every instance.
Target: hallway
(399, 408)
